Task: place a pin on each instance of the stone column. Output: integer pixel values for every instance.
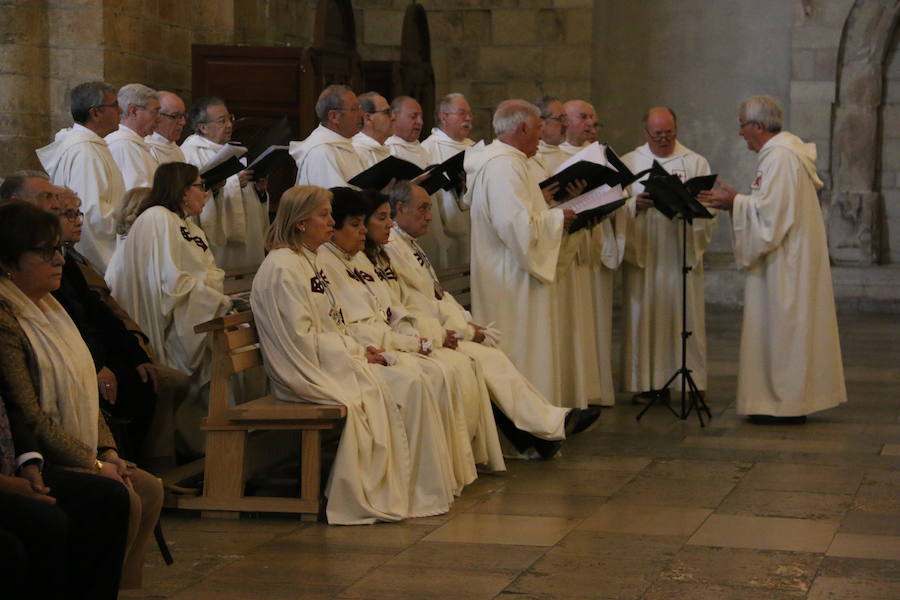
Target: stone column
(23, 79)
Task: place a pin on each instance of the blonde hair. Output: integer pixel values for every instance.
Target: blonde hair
(127, 210)
(297, 204)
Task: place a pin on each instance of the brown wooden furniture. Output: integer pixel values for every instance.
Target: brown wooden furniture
(229, 459)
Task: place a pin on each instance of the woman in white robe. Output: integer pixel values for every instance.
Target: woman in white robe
(166, 278)
(387, 466)
(373, 319)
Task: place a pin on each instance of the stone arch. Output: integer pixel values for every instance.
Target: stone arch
(856, 223)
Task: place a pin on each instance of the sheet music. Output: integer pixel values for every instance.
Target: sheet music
(224, 154)
(595, 198)
(591, 153)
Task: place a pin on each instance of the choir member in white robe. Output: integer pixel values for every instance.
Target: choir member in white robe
(163, 142)
(790, 359)
(516, 240)
(236, 217)
(435, 313)
(140, 115)
(168, 281)
(327, 157)
(553, 133)
(79, 159)
(377, 126)
(454, 116)
(405, 144)
(651, 345)
(372, 320)
(386, 466)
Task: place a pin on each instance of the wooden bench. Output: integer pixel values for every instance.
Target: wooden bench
(228, 428)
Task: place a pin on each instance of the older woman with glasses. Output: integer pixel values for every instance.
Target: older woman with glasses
(49, 379)
(167, 279)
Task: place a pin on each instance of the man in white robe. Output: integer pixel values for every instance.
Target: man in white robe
(651, 346)
(553, 133)
(236, 217)
(163, 142)
(524, 414)
(408, 122)
(606, 247)
(140, 115)
(327, 157)
(790, 359)
(79, 159)
(377, 126)
(454, 116)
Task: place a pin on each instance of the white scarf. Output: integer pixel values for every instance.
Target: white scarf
(68, 382)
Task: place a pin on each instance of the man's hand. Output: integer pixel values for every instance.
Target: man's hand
(549, 191)
(32, 475)
(643, 201)
(111, 471)
(261, 185)
(461, 186)
(424, 348)
(720, 197)
(373, 355)
(245, 176)
(22, 487)
(569, 216)
(576, 188)
(106, 382)
(450, 340)
(479, 333)
(147, 372)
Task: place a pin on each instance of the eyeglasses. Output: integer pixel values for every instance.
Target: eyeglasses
(742, 124)
(558, 118)
(174, 116)
(385, 111)
(47, 253)
(73, 216)
(222, 120)
(200, 185)
(658, 136)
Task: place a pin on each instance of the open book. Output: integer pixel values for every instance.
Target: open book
(223, 165)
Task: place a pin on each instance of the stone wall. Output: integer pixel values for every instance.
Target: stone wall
(890, 148)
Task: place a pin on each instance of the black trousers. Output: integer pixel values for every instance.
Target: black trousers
(135, 403)
(69, 550)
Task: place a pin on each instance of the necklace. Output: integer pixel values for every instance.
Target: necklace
(320, 284)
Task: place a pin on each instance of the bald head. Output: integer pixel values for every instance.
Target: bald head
(408, 119)
(660, 130)
(581, 118)
(172, 116)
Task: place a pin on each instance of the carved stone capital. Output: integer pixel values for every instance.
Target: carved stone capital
(854, 225)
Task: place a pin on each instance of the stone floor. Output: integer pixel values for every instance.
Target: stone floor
(660, 509)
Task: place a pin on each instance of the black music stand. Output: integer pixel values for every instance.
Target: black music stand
(676, 199)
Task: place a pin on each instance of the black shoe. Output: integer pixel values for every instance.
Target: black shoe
(581, 419)
(773, 420)
(643, 398)
(547, 449)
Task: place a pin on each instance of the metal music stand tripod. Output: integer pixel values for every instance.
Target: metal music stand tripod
(675, 199)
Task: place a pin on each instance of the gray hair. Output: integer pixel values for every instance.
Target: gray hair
(646, 115)
(764, 110)
(446, 104)
(134, 94)
(400, 193)
(543, 103)
(198, 113)
(85, 96)
(512, 113)
(397, 103)
(329, 100)
(367, 101)
(126, 211)
(14, 183)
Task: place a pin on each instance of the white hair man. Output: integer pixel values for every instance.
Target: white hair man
(327, 157)
(408, 122)
(377, 127)
(140, 115)
(790, 361)
(236, 218)
(163, 142)
(524, 415)
(516, 240)
(450, 137)
(79, 159)
(651, 348)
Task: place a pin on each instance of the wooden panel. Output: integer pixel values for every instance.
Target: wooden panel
(246, 360)
(250, 504)
(231, 320)
(270, 408)
(241, 337)
(224, 473)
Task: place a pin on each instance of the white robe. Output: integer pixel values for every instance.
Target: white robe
(431, 315)
(790, 360)
(454, 212)
(372, 321)
(234, 219)
(163, 149)
(79, 159)
(579, 377)
(381, 472)
(167, 280)
(370, 150)
(651, 344)
(132, 156)
(551, 156)
(326, 159)
(516, 241)
(436, 242)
